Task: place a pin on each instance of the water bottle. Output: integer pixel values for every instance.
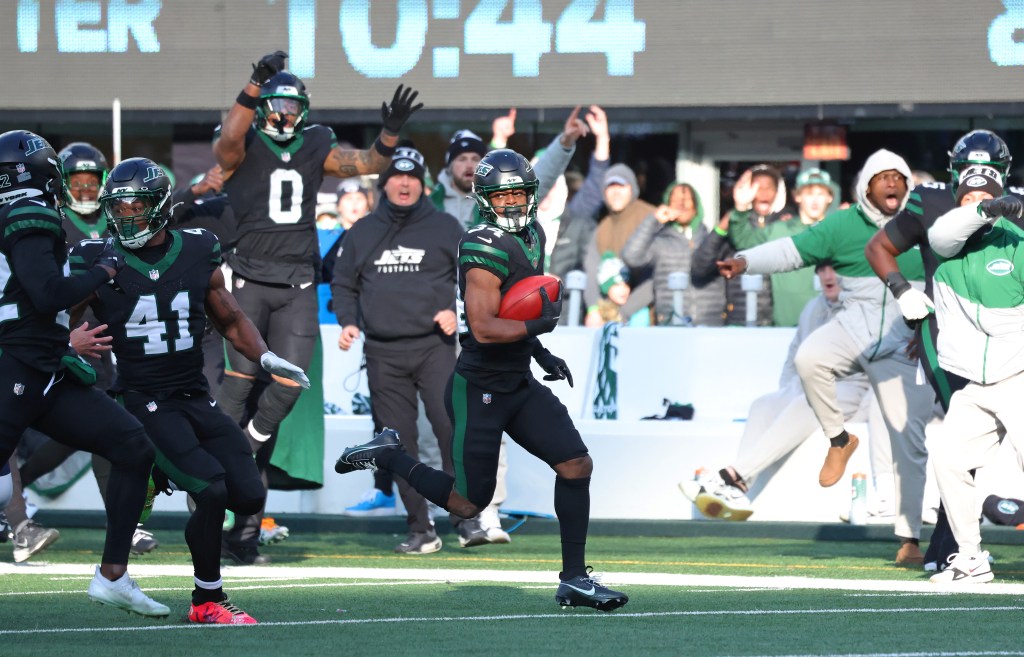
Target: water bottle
(859, 499)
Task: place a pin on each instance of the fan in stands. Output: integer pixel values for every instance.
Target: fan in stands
(522, 301)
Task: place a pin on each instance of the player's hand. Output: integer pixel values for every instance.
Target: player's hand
(1010, 207)
(278, 366)
(395, 115)
(597, 120)
(744, 192)
(88, 341)
(213, 181)
(111, 258)
(915, 305)
(268, 66)
(446, 320)
(349, 334)
(575, 127)
(550, 312)
(502, 129)
(731, 267)
(555, 367)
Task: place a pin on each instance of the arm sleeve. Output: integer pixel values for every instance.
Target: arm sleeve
(182, 201)
(34, 261)
(907, 228)
(772, 257)
(950, 232)
(637, 251)
(703, 269)
(741, 234)
(551, 165)
(589, 199)
(345, 283)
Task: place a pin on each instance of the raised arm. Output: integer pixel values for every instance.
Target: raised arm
(347, 162)
(229, 149)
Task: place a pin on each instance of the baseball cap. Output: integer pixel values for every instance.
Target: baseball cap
(464, 141)
(813, 177)
(616, 180)
(406, 160)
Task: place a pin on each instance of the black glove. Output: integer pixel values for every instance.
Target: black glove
(111, 256)
(554, 366)
(401, 108)
(269, 66)
(550, 311)
(1010, 207)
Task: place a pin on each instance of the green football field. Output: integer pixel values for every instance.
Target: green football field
(345, 593)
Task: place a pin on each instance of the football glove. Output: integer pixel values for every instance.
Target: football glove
(915, 305)
(278, 366)
(556, 368)
(550, 311)
(111, 256)
(395, 115)
(1010, 207)
(268, 66)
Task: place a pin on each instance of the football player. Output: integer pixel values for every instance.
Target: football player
(46, 387)
(979, 152)
(273, 164)
(156, 311)
(492, 389)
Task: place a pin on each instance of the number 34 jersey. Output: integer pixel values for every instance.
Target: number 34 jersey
(156, 313)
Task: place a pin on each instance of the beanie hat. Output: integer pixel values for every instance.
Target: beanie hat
(349, 185)
(610, 272)
(464, 141)
(406, 160)
(979, 179)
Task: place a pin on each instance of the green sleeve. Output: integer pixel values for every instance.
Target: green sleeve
(817, 243)
(741, 234)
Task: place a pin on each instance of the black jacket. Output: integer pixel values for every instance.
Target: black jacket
(396, 268)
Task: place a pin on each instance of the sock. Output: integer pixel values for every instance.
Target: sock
(572, 506)
(275, 403)
(841, 440)
(432, 484)
(208, 592)
(904, 541)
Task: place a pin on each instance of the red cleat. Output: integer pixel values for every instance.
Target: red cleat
(221, 613)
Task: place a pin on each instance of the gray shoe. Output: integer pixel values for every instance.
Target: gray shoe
(32, 538)
(419, 543)
(143, 541)
(473, 532)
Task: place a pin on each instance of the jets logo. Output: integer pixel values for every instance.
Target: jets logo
(399, 260)
(34, 146)
(1001, 267)
(484, 168)
(152, 173)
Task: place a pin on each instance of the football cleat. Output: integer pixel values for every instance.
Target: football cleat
(419, 543)
(965, 569)
(271, 532)
(124, 594)
(587, 591)
(143, 541)
(363, 457)
(242, 555)
(716, 499)
(31, 539)
(219, 613)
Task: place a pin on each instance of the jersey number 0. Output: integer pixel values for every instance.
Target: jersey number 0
(285, 196)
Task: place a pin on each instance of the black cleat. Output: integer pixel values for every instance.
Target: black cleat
(241, 555)
(587, 591)
(363, 457)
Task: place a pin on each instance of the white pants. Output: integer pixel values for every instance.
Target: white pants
(830, 352)
(979, 417)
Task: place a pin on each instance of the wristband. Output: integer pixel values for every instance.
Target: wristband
(896, 283)
(380, 147)
(723, 233)
(247, 101)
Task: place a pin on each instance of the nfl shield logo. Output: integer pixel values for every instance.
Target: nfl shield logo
(20, 168)
(286, 157)
(151, 407)
(19, 389)
(487, 398)
(154, 274)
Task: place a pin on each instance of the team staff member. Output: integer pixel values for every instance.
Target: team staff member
(492, 390)
(173, 278)
(273, 164)
(395, 277)
(46, 387)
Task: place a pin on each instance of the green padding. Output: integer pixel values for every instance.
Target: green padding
(298, 459)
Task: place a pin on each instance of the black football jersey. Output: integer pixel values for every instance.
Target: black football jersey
(511, 257)
(156, 313)
(926, 203)
(36, 338)
(78, 228)
(273, 195)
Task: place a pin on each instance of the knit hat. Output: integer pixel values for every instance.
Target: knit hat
(979, 179)
(406, 160)
(610, 272)
(349, 185)
(464, 141)
(813, 177)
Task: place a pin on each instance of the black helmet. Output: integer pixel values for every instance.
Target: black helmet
(135, 189)
(282, 94)
(505, 169)
(29, 167)
(80, 157)
(979, 148)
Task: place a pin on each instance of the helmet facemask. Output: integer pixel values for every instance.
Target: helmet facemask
(135, 216)
(82, 206)
(511, 218)
(271, 113)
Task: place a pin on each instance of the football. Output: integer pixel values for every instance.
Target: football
(522, 301)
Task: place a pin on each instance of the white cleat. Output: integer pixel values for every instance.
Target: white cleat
(125, 594)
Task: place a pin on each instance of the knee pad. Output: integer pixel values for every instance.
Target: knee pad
(248, 499)
(214, 496)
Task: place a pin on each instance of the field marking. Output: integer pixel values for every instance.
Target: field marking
(268, 573)
(587, 615)
(314, 585)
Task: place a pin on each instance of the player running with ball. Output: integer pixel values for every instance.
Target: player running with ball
(492, 390)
